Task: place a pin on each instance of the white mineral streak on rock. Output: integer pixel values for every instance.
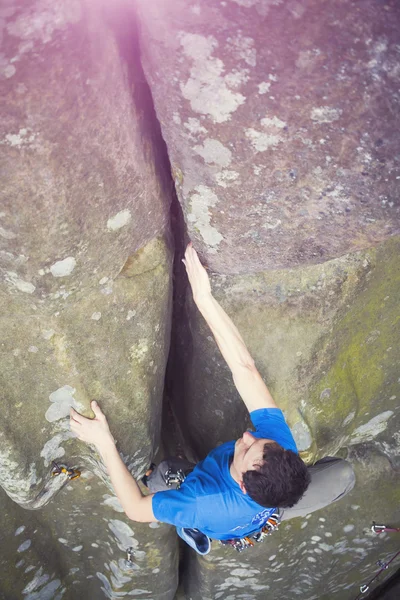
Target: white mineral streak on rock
(21, 285)
(302, 436)
(262, 6)
(24, 137)
(213, 152)
(47, 334)
(9, 71)
(261, 141)
(297, 9)
(225, 178)
(242, 48)
(194, 126)
(349, 418)
(130, 315)
(124, 534)
(325, 114)
(7, 235)
(28, 569)
(103, 280)
(24, 546)
(96, 316)
(245, 572)
(237, 78)
(348, 528)
(325, 547)
(368, 431)
(107, 589)
(63, 268)
(138, 352)
(207, 89)
(263, 87)
(17, 485)
(20, 530)
(38, 580)
(44, 19)
(61, 402)
(47, 592)
(52, 448)
(77, 549)
(274, 122)
(200, 216)
(113, 502)
(122, 218)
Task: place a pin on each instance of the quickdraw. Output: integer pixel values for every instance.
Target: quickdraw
(382, 564)
(176, 477)
(61, 469)
(240, 544)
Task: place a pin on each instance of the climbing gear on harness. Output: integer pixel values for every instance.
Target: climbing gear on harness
(71, 473)
(382, 528)
(130, 554)
(174, 477)
(148, 473)
(240, 544)
(381, 563)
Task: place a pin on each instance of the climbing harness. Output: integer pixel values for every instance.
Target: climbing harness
(240, 544)
(71, 473)
(382, 564)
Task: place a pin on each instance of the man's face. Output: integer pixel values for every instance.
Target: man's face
(248, 454)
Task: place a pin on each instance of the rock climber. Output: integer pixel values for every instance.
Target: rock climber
(240, 486)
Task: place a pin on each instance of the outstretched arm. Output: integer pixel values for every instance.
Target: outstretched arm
(96, 431)
(246, 377)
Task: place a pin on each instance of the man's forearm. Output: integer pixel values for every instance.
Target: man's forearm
(125, 486)
(228, 338)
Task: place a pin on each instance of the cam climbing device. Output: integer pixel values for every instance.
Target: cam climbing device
(240, 544)
(176, 477)
(71, 473)
(381, 563)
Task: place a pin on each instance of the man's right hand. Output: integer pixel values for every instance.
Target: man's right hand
(92, 431)
(198, 276)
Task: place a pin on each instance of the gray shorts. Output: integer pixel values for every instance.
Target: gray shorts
(331, 479)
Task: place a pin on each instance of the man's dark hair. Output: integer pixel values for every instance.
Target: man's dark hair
(280, 481)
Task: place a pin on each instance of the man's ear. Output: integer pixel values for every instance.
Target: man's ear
(242, 486)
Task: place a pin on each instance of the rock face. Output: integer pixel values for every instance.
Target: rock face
(280, 125)
(281, 129)
(280, 120)
(84, 245)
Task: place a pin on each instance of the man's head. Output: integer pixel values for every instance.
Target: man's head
(269, 474)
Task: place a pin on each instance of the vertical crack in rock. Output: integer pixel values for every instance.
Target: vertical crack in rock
(127, 36)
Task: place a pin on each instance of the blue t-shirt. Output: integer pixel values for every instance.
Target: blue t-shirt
(210, 499)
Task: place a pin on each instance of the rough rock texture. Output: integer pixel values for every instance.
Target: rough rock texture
(281, 127)
(84, 245)
(281, 124)
(325, 338)
(280, 119)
